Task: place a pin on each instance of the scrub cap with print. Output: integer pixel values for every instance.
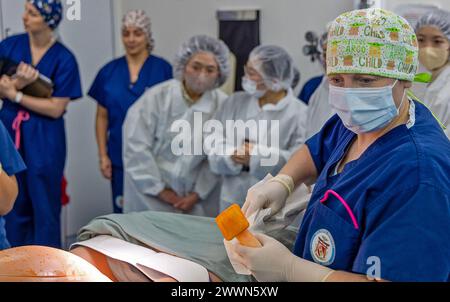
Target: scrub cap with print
(373, 41)
(51, 11)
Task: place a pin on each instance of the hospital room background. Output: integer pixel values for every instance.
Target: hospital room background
(95, 40)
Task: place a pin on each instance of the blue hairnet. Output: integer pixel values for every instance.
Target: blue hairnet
(203, 43)
(275, 65)
(50, 10)
(437, 18)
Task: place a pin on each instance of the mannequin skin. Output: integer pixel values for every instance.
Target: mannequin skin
(44, 264)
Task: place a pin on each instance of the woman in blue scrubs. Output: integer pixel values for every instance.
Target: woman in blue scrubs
(117, 86)
(380, 209)
(37, 124)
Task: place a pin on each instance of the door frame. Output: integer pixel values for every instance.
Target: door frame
(1, 21)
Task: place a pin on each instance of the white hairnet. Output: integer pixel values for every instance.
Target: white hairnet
(275, 65)
(437, 18)
(296, 79)
(139, 19)
(203, 43)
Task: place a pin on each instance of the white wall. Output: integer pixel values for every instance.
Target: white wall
(413, 9)
(391, 4)
(11, 17)
(284, 22)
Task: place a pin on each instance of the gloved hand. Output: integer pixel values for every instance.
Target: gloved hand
(272, 194)
(235, 260)
(270, 263)
(273, 262)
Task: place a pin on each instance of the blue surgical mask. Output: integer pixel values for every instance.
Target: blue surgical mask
(251, 87)
(364, 110)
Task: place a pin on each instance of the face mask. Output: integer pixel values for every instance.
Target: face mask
(364, 110)
(433, 58)
(199, 84)
(250, 87)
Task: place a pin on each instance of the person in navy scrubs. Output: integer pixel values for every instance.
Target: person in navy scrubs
(11, 163)
(117, 86)
(380, 209)
(313, 84)
(37, 124)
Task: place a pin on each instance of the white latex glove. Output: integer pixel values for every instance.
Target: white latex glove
(273, 262)
(272, 194)
(270, 263)
(235, 259)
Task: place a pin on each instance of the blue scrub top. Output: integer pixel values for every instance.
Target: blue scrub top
(399, 193)
(12, 164)
(113, 91)
(309, 88)
(43, 138)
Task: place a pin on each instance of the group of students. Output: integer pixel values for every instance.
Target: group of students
(381, 164)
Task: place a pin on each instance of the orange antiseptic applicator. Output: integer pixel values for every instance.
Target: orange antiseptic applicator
(233, 224)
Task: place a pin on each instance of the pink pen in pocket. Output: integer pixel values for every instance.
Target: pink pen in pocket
(344, 203)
